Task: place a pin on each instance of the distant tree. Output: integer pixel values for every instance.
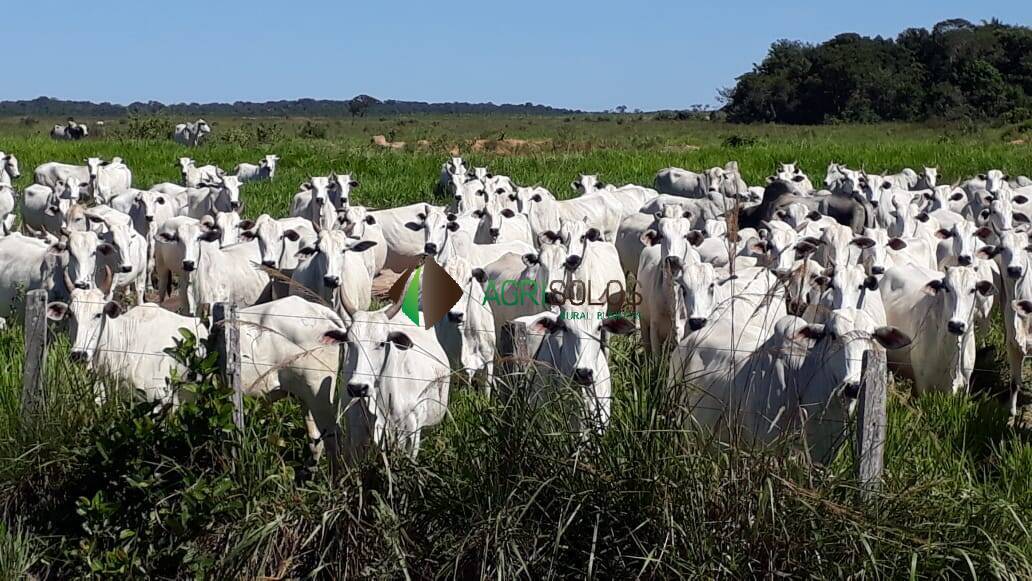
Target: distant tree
(357, 106)
(621, 109)
(955, 70)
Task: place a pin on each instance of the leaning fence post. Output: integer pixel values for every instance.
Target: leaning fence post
(871, 420)
(224, 316)
(35, 350)
(512, 347)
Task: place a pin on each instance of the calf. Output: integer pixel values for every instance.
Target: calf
(107, 178)
(8, 168)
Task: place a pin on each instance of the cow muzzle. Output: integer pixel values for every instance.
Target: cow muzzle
(189, 266)
(331, 281)
(78, 356)
(456, 317)
(696, 323)
(964, 260)
(430, 249)
(583, 376)
(269, 263)
(125, 268)
(956, 327)
(358, 389)
(1014, 271)
(877, 270)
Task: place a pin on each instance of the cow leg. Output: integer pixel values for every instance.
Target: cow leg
(315, 444)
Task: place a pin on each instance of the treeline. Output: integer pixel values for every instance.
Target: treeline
(360, 105)
(955, 71)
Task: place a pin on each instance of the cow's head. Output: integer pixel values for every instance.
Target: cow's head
(88, 312)
(956, 296)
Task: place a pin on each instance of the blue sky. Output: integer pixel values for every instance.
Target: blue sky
(650, 54)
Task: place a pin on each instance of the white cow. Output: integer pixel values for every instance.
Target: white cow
(282, 353)
(130, 261)
(574, 350)
(264, 170)
(467, 332)
(48, 207)
(107, 178)
(322, 197)
(333, 270)
(211, 198)
(26, 264)
(502, 225)
(454, 166)
(191, 134)
(788, 378)
(8, 168)
(358, 223)
(938, 313)
(193, 176)
(8, 216)
(403, 229)
(397, 378)
(130, 345)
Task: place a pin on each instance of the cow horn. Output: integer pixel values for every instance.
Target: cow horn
(105, 282)
(345, 303)
(392, 310)
(69, 285)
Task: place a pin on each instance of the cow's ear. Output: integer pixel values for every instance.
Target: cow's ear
(890, 337)
(452, 217)
(478, 213)
(593, 235)
(812, 331)
(984, 288)
(530, 259)
(453, 226)
(1023, 307)
(535, 198)
(414, 226)
(618, 325)
(863, 242)
(508, 213)
(105, 249)
(695, 237)
(921, 217)
(1020, 217)
(212, 235)
(370, 220)
(871, 283)
(956, 196)
(112, 309)
(353, 183)
(58, 310)
(166, 237)
(399, 340)
(292, 235)
(821, 281)
(805, 246)
(480, 276)
(759, 246)
(897, 244)
(1019, 199)
(306, 251)
(988, 252)
(547, 323)
(649, 237)
(934, 286)
(362, 246)
(943, 234)
(333, 337)
(814, 215)
(983, 233)
(247, 225)
(247, 235)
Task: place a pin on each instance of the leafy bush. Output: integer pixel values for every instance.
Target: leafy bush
(312, 130)
(140, 127)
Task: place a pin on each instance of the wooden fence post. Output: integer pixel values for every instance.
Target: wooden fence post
(512, 348)
(224, 315)
(33, 397)
(872, 420)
